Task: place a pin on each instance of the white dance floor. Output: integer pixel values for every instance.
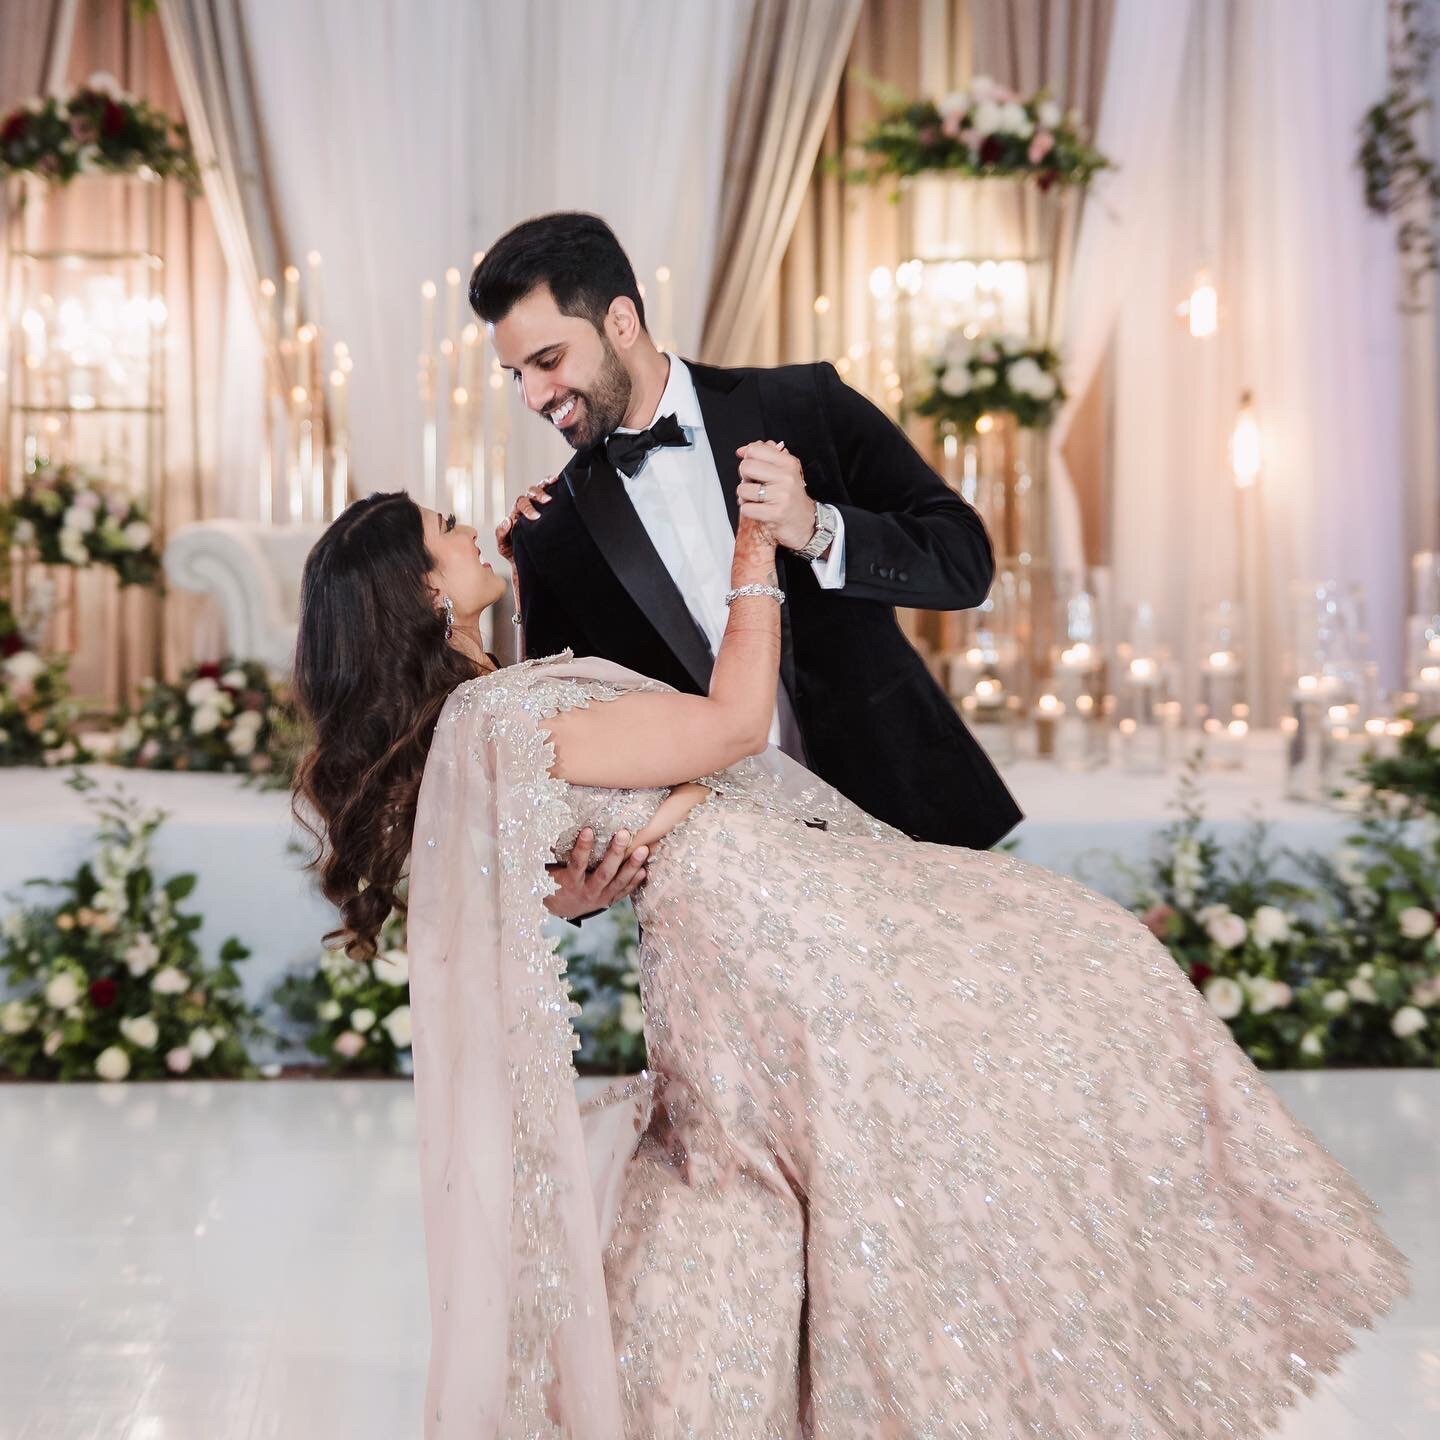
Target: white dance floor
(244, 1262)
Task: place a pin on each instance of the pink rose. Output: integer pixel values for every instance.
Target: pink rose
(1041, 146)
(349, 1044)
(178, 1060)
(951, 122)
(1158, 920)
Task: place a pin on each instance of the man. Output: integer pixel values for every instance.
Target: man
(628, 557)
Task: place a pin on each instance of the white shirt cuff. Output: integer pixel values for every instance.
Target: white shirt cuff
(830, 570)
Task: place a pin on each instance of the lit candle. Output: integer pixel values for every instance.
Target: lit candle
(427, 318)
(822, 327)
(1048, 710)
(340, 428)
(664, 304)
(452, 307)
(267, 311)
(290, 311)
(314, 302)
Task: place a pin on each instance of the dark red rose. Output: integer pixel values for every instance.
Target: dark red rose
(1199, 974)
(102, 993)
(11, 644)
(208, 671)
(992, 150)
(1046, 179)
(112, 119)
(15, 126)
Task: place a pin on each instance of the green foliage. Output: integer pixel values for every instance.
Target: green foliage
(993, 374)
(107, 978)
(95, 130)
(356, 1012)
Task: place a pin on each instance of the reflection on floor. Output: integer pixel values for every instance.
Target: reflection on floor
(244, 1262)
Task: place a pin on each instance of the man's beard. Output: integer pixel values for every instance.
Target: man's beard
(603, 405)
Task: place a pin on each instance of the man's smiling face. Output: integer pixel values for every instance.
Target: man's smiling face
(567, 370)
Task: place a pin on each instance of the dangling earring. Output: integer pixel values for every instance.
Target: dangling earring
(448, 605)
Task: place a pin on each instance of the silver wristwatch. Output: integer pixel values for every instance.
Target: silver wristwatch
(827, 521)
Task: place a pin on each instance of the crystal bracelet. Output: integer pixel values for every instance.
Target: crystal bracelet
(772, 591)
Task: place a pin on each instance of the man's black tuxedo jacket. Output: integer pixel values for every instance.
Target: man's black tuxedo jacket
(874, 723)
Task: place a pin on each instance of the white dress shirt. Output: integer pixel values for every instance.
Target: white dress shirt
(676, 493)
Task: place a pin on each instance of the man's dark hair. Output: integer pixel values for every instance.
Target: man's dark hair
(575, 254)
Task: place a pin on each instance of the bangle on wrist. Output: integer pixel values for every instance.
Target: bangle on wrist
(740, 591)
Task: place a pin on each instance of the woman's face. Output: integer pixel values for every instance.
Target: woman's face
(459, 570)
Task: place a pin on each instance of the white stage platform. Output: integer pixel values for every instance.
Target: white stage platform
(201, 1261)
(251, 885)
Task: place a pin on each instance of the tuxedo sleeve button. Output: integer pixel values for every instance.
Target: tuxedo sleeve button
(903, 577)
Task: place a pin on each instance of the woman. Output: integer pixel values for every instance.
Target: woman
(934, 1143)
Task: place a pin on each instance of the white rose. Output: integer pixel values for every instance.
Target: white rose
(170, 981)
(178, 1060)
(1361, 989)
(112, 1063)
(201, 1043)
(632, 1017)
(328, 1010)
(1432, 736)
(397, 1026)
(62, 991)
(348, 1044)
(1226, 997)
(1015, 120)
(142, 955)
(984, 378)
(362, 1019)
(1311, 1045)
(235, 679)
(1269, 926)
(1417, 923)
(24, 532)
(1408, 1021)
(1025, 375)
(1045, 387)
(984, 87)
(1048, 113)
(1227, 931)
(987, 116)
(137, 535)
(53, 1041)
(1257, 990)
(201, 692)
(957, 102)
(241, 740)
(17, 1017)
(72, 548)
(104, 82)
(205, 720)
(393, 967)
(955, 381)
(80, 518)
(25, 666)
(142, 1031)
(1337, 1002)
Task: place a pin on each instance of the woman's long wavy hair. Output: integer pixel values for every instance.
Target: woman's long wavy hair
(372, 671)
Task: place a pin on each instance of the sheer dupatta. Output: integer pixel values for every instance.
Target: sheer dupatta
(514, 1213)
(520, 1327)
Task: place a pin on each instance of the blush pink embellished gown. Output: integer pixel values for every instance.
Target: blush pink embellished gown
(934, 1143)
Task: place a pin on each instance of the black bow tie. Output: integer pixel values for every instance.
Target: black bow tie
(627, 452)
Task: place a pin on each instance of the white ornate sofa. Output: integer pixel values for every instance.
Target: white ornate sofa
(253, 572)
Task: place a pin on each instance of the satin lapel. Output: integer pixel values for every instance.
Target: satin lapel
(730, 403)
(618, 532)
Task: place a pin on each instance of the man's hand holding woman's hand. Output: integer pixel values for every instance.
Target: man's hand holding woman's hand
(582, 890)
(772, 491)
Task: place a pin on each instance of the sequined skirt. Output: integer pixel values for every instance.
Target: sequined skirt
(944, 1145)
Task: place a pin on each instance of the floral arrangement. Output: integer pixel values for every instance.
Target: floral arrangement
(37, 719)
(67, 517)
(992, 374)
(112, 983)
(986, 131)
(606, 985)
(357, 1011)
(96, 129)
(1342, 970)
(230, 716)
(1400, 176)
